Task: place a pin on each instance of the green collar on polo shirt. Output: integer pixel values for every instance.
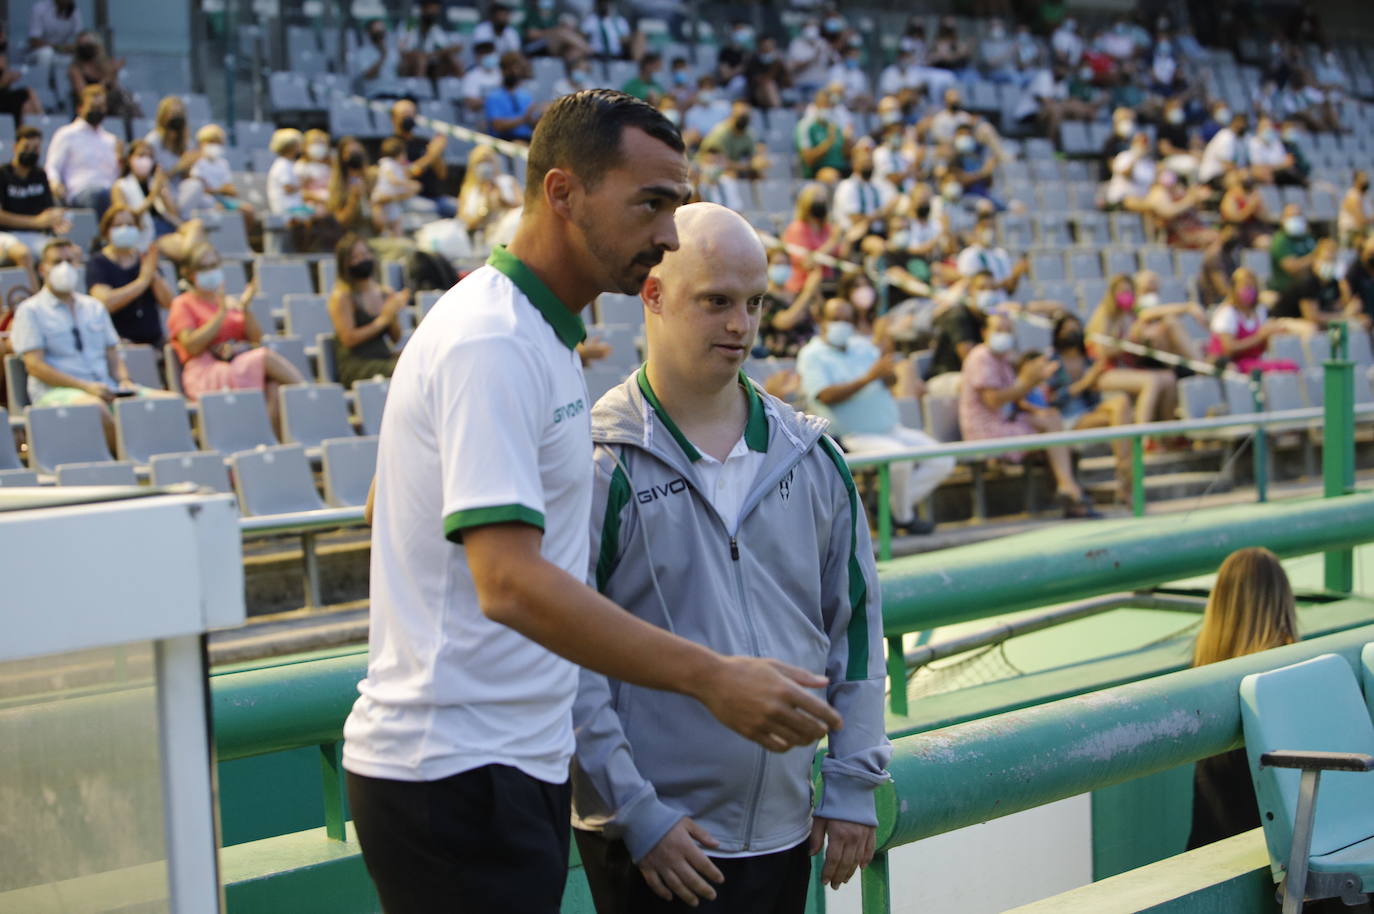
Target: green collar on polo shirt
(755, 427)
(566, 324)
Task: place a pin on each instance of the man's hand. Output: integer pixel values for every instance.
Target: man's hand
(1035, 371)
(884, 369)
(678, 866)
(851, 847)
(96, 389)
(766, 701)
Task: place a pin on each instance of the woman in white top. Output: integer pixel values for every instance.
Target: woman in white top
(145, 190)
(169, 141)
(1269, 158)
(1133, 173)
(313, 169)
(489, 198)
(284, 196)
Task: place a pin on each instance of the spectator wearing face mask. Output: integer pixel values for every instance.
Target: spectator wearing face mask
(645, 85)
(1292, 250)
(53, 26)
(124, 278)
(497, 29)
(1174, 209)
(893, 161)
(812, 230)
(972, 166)
(809, 59)
(312, 170)
(1153, 388)
(1358, 285)
(549, 33)
(1353, 220)
(1219, 119)
(375, 65)
(489, 198)
(950, 52)
(847, 379)
(145, 191)
(170, 141)
(788, 320)
(743, 154)
(426, 158)
(1269, 160)
(1133, 173)
(997, 54)
(916, 238)
(1242, 206)
(27, 214)
(820, 140)
(983, 255)
(210, 186)
(482, 79)
(859, 200)
(1123, 132)
(350, 188)
(609, 34)
(902, 73)
(1177, 148)
(83, 157)
(849, 83)
(958, 327)
(91, 66)
(715, 183)
(364, 313)
(1066, 43)
(1158, 323)
(1314, 296)
(1072, 390)
(510, 109)
(765, 75)
(1241, 328)
(993, 403)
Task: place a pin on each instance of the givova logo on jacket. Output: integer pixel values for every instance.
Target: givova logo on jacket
(655, 492)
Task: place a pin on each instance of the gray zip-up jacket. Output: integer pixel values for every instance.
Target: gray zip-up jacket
(795, 580)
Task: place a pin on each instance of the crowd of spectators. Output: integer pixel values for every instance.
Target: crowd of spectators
(891, 278)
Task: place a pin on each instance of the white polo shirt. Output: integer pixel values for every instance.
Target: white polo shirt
(487, 421)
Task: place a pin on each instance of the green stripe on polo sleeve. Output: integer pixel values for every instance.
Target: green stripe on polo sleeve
(857, 633)
(458, 521)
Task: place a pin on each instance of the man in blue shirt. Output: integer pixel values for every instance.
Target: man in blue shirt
(510, 110)
(846, 378)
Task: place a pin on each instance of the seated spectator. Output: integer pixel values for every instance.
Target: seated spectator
(1270, 161)
(124, 278)
(902, 73)
(83, 157)
(1250, 609)
(350, 189)
(218, 339)
(789, 319)
(765, 76)
(997, 54)
(27, 214)
(1354, 218)
(819, 138)
(144, 189)
(169, 141)
(284, 195)
(1178, 149)
(811, 230)
(430, 50)
(681, 85)
(958, 327)
(68, 342)
(859, 200)
(1132, 175)
(993, 404)
(394, 190)
(950, 52)
(54, 26)
(715, 183)
(849, 83)
(1224, 152)
(375, 65)
(1291, 251)
(439, 245)
(364, 313)
(609, 35)
(1314, 295)
(894, 159)
(510, 109)
(16, 99)
(1289, 133)
(210, 185)
(91, 66)
(490, 200)
(1073, 392)
(1358, 286)
(313, 169)
(729, 71)
(426, 158)
(1157, 323)
(744, 155)
(983, 255)
(547, 33)
(916, 238)
(1173, 209)
(1066, 44)
(972, 165)
(484, 77)
(497, 29)
(1241, 328)
(645, 85)
(1119, 140)
(1221, 259)
(1153, 386)
(1218, 120)
(809, 60)
(708, 109)
(1242, 207)
(846, 379)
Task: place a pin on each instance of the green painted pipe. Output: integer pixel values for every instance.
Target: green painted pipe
(969, 773)
(1077, 560)
(276, 708)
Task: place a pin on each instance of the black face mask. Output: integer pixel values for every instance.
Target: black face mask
(923, 213)
(354, 161)
(176, 122)
(85, 52)
(362, 269)
(1073, 339)
(427, 20)
(28, 159)
(95, 116)
(865, 174)
(742, 123)
(407, 124)
(819, 209)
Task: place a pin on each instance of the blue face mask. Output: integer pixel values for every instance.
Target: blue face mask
(852, 63)
(779, 273)
(680, 77)
(490, 61)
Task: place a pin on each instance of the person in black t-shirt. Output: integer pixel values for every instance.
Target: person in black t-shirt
(27, 215)
(1359, 285)
(1314, 295)
(426, 158)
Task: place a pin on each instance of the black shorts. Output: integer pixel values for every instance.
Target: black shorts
(492, 840)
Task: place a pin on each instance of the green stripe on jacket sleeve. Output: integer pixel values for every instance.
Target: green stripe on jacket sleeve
(458, 521)
(617, 497)
(857, 632)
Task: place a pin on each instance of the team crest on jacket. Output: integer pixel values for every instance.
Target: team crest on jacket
(785, 487)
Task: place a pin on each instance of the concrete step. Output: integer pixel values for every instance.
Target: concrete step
(1167, 486)
(1093, 470)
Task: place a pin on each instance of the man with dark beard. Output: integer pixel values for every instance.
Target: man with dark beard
(457, 749)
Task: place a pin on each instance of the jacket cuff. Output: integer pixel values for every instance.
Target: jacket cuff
(848, 799)
(644, 822)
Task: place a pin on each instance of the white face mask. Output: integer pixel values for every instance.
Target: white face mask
(1222, 116)
(317, 151)
(124, 236)
(210, 280)
(62, 278)
(1295, 225)
(1148, 300)
(1174, 115)
(1125, 128)
(1327, 270)
(1001, 343)
(483, 171)
(863, 297)
(837, 333)
(964, 143)
(212, 150)
(952, 190)
(986, 298)
(141, 166)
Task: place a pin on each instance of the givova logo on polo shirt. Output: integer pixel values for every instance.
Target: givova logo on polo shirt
(572, 409)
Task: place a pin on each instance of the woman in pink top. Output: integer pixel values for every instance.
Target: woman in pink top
(810, 229)
(217, 338)
(1241, 328)
(997, 401)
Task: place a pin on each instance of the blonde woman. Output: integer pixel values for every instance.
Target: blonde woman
(488, 196)
(811, 229)
(1153, 386)
(1251, 609)
(313, 170)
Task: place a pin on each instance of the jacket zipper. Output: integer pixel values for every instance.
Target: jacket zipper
(761, 769)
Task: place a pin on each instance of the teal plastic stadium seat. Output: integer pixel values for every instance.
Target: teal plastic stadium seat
(1313, 707)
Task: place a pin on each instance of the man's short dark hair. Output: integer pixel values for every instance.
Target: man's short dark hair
(27, 132)
(55, 244)
(483, 47)
(650, 57)
(582, 133)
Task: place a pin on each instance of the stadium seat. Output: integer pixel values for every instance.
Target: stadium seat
(65, 434)
(1054, 198)
(1291, 716)
(141, 363)
(1048, 265)
(326, 272)
(1092, 229)
(17, 478)
(292, 348)
(1358, 348)
(12, 278)
(9, 457)
(150, 426)
(171, 369)
(230, 238)
(198, 468)
(1240, 401)
(349, 464)
(85, 227)
(600, 379)
(1120, 261)
(275, 480)
(279, 278)
(108, 473)
(942, 418)
(613, 308)
(311, 413)
(307, 315)
(1286, 346)
(16, 384)
(1016, 230)
(1187, 263)
(1157, 259)
(1200, 397)
(371, 403)
(1258, 262)
(326, 359)
(1282, 391)
(424, 301)
(232, 421)
(1052, 231)
(624, 343)
(1128, 229)
(1318, 349)
(1085, 265)
(235, 278)
(1031, 335)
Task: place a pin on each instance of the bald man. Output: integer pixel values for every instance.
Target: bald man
(723, 515)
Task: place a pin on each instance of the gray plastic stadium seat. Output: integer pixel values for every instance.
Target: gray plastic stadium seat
(326, 359)
(109, 473)
(1158, 259)
(65, 434)
(942, 418)
(85, 227)
(1085, 265)
(171, 369)
(278, 278)
(16, 384)
(1052, 230)
(1118, 260)
(1047, 265)
(1127, 228)
(601, 379)
(1287, 346)
(198, 468)
(1282, 391)
(230, 238)
(1200, 397)
(14, 478)
(1092, 230)
(141, 361)
(235, 277)
(1187, 264)
(310, 413)
(1031, 336)
(612, 308)
(146, 427)
(1239, 400)
(307, 315)
(424, 301)
(349, 465)
(234, 420)
(623, 339)
(275, 480)
(371, 403)
(1314, 385)
(293, 349)
(9, 457)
